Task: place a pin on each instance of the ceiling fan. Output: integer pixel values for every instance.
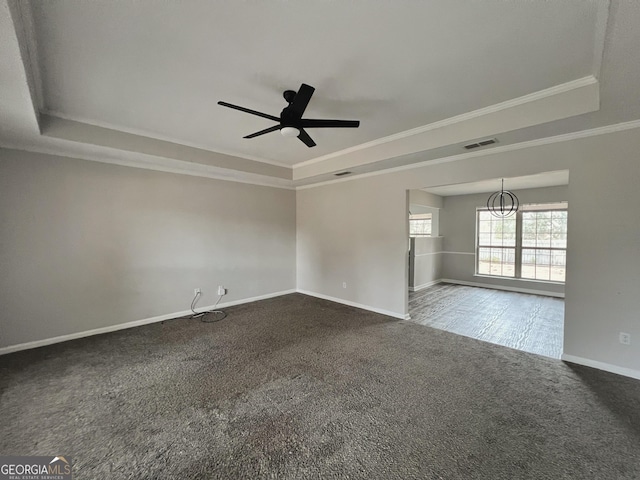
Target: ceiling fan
(291, 123)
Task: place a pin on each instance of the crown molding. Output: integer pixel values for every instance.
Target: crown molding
(155, 136)
(24, 28)
(532, 97)
(149, 162)
(600, 32)
(618, 127)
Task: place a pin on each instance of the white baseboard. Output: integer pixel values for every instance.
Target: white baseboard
(136, 323)
(607, 367)
(504, 287)
(401, 316)
(251, 299)
(424, 285)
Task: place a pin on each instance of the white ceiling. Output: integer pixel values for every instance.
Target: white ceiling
(158, 68)
(547, 179)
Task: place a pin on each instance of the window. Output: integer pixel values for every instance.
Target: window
(544, 244)
(420, 225)
(531, 244)
(496, 245)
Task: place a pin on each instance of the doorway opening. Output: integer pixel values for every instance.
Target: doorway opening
(497, 281)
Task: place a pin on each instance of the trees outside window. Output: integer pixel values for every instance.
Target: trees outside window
(420, 225)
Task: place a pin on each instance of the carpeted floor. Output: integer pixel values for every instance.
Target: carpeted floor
(297, 387)
(531, 323)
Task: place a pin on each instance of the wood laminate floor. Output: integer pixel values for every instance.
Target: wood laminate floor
(531, 323)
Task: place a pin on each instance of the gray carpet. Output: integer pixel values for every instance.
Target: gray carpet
(531, 323)
(297, 387)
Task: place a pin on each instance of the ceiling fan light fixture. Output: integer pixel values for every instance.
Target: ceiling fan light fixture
(289, 132)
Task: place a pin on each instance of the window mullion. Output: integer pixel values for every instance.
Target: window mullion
(518, 265)
(477, 241)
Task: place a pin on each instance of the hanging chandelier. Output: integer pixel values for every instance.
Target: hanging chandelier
(503, 203)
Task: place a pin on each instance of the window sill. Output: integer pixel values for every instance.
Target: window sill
(524, 280)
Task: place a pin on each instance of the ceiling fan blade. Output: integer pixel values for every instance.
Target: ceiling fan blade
(310, 123)
(262, 132)
(252, 112)
(301, 100)
(306, 139)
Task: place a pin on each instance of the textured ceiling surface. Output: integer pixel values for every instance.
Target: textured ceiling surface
(158, 69)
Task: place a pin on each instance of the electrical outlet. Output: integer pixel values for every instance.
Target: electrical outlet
(344, 284)
(222, 290)
(197, 291)
(625, 338)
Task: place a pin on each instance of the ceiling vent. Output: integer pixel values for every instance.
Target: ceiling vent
(481, 143)
(340, 174)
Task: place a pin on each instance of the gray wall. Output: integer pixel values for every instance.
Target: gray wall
(425, 261)
(458, 227)
(603, 270)
(357, 230)
(85, 245)
(349, 232)
(420, 197)
(425, 254)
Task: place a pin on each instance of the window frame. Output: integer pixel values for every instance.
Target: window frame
(538, 207)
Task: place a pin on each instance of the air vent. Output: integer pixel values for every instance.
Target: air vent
(341, 174)
(481, 143)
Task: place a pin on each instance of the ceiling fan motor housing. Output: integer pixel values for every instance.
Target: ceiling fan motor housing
(289, 95)
(288, 118)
